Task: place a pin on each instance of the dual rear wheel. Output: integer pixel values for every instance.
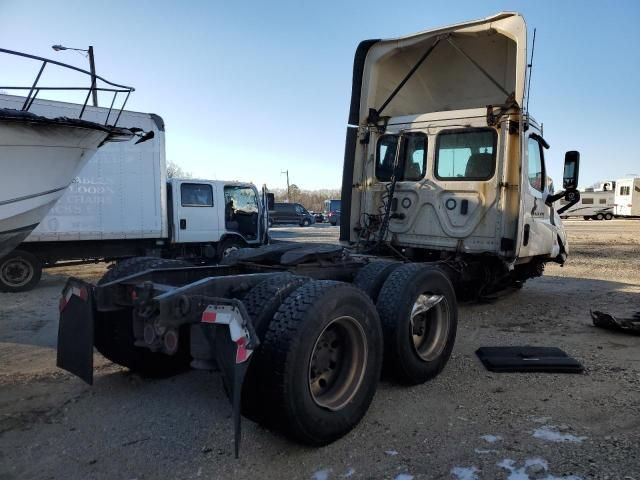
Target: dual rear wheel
(316, 371)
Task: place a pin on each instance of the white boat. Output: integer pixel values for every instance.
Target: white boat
(40, 157)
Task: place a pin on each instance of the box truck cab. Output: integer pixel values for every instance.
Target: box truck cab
(206, 211)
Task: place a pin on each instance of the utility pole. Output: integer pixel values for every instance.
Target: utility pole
(92, 64)
(288, 187)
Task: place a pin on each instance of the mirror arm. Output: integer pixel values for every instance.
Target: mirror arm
(554, 198)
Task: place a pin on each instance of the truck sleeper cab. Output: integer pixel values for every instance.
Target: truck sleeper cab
(442, 160)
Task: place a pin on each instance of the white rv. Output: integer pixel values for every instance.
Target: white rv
(594, 204)
(121, 204)
(627, 197)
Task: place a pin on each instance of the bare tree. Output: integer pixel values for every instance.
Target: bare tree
(175, 171)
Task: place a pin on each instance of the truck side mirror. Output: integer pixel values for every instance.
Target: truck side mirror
(571, 170)
(271, 200)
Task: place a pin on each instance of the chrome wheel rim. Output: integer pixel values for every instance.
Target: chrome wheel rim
(429, 325)
(16, 272)
(338, 363)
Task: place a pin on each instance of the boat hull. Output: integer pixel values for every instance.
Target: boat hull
(38, 161)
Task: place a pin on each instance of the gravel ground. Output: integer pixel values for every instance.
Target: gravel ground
(467, 424)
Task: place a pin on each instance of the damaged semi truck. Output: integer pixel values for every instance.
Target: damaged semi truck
(444, 197)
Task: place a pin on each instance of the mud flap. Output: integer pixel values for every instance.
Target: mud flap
(234, 343)
(75, 330)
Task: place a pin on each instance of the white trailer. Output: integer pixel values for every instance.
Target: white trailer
(593, 205)
(627, 197)
(122, 205)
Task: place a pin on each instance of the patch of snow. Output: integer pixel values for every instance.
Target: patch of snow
(391, 453)
(549, 434)
(465, 473)
(321, 474)
(404, 476)
(482, 451)
(533, 466)
(491, 438)
(540, 419)
(515, 473)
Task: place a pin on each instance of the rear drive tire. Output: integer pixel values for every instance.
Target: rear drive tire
(323, 349)
(20, 271)
(261, 302)
(113, 331)
(417, 345)
(372, 276)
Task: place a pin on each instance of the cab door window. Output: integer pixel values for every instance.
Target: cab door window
(196, 195)
(535, 164)
(466, 154)
(412, 164)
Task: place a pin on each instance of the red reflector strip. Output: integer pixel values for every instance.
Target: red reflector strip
(242, 354)
(208, 317)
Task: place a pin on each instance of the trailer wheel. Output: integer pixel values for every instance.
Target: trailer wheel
(599, 216)
(19, 271)
(586, 217)
(419, 315)
(372, 276)
(608, 216)
(113, 331)
(323, 351)
(262, 302)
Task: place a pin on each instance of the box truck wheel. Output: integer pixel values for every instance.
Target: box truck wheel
(19, 271)
(323, 350)
(230, 245)
(372, 276)
(419, 315)
(113, 331)
(261, 302)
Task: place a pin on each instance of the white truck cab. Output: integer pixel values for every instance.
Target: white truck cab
(442, 158)
(231, 214)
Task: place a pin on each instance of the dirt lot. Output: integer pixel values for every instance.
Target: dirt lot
(466, 424)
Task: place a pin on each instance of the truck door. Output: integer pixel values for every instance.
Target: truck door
(537, 236)
(196, 215)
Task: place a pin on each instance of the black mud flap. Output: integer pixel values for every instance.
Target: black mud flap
(233, 342)
(75, 329)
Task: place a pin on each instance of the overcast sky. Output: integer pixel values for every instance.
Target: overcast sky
(248, 89)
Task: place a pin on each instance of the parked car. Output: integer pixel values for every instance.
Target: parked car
(318, 216)
(290, 213)
(334, 218)
(332, 211)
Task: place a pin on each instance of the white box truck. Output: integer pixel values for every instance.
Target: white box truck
(122, 205)
(627, 198)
